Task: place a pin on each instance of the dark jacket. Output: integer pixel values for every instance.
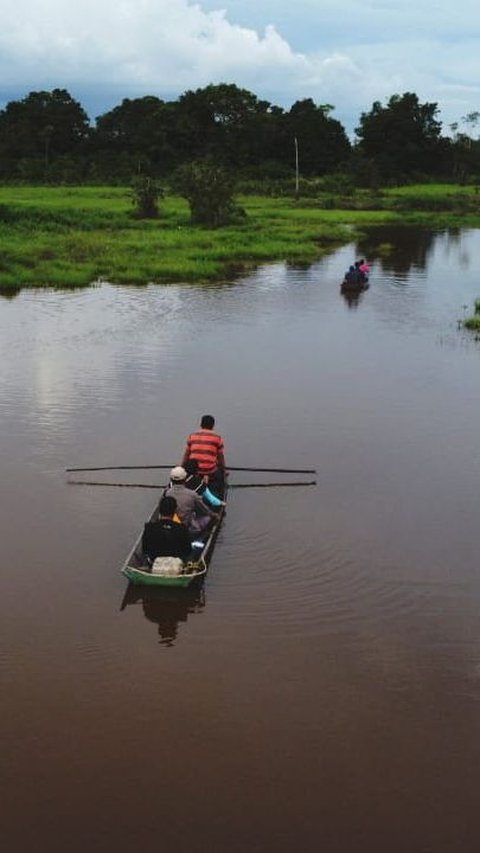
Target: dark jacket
(165, 538)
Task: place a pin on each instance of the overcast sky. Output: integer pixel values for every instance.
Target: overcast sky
(347, 54)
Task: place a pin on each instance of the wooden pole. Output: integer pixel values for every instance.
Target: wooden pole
(156, 486)
(168, 467)
(297, 178)
(123, 468)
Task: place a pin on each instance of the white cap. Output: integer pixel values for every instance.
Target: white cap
(178, 473)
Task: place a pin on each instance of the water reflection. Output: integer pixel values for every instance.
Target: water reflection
(353, 294)
(347, 614)
(9, 293)
(167, 608)
(398, 250)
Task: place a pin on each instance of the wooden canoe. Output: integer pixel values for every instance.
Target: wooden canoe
(137, 570)
(354, 285)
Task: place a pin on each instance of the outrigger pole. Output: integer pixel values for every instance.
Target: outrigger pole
(167, 467)
(156, 486)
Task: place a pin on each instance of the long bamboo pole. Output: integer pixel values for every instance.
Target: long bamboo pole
(156, 486)
(167, 467)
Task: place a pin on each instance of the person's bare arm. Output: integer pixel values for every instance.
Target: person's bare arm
(186, 454)
(221, 460)
(203, 508)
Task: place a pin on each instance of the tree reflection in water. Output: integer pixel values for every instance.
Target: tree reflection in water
(397, 251)
(166, 607)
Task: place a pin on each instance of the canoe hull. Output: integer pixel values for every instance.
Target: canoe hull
(138, 572)
(354, 286)
(144, 578)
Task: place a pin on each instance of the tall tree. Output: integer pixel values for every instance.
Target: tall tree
(222, 121)
(43, 125)
(322, 141)
(402, 137)
(139, 131)
(465, 149)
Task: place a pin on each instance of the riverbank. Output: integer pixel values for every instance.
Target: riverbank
(75, 236)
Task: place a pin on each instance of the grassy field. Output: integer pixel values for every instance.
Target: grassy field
(434, 190)
(73, 236)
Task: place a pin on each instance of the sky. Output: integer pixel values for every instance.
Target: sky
(348, 54)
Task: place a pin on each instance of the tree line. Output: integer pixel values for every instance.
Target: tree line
(48, 137)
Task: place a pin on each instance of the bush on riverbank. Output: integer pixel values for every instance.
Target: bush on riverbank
(209, 190)
(146, 192)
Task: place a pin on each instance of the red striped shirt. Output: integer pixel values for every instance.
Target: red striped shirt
(205, 446)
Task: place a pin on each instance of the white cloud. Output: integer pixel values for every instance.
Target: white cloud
(356, 53)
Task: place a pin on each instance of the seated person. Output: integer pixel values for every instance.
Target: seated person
(362, 275)
(193, 511)
(196, 483)
(352, 276)
(166, 537)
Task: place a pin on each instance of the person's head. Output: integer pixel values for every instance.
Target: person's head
(357, 264)
(167, 507)
(178, 474)
(191, 467)
(207, 422)
(361, 261)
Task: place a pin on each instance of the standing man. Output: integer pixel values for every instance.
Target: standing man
(206, 447)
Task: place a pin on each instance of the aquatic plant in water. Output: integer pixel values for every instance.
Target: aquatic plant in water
(473, 322)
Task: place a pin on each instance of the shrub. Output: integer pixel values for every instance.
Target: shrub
(338, 183)
(146, 192)
(209, 191)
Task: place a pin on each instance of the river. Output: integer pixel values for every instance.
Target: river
(321, 690)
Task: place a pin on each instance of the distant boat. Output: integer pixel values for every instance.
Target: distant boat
(356, 278)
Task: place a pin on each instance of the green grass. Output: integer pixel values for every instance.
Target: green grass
(473, 322)
(73, 236)
(453, 199)
(433, 190)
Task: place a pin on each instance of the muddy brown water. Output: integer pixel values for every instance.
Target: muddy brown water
(321, 690)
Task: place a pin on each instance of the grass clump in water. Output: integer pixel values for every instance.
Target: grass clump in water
(473, 323)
